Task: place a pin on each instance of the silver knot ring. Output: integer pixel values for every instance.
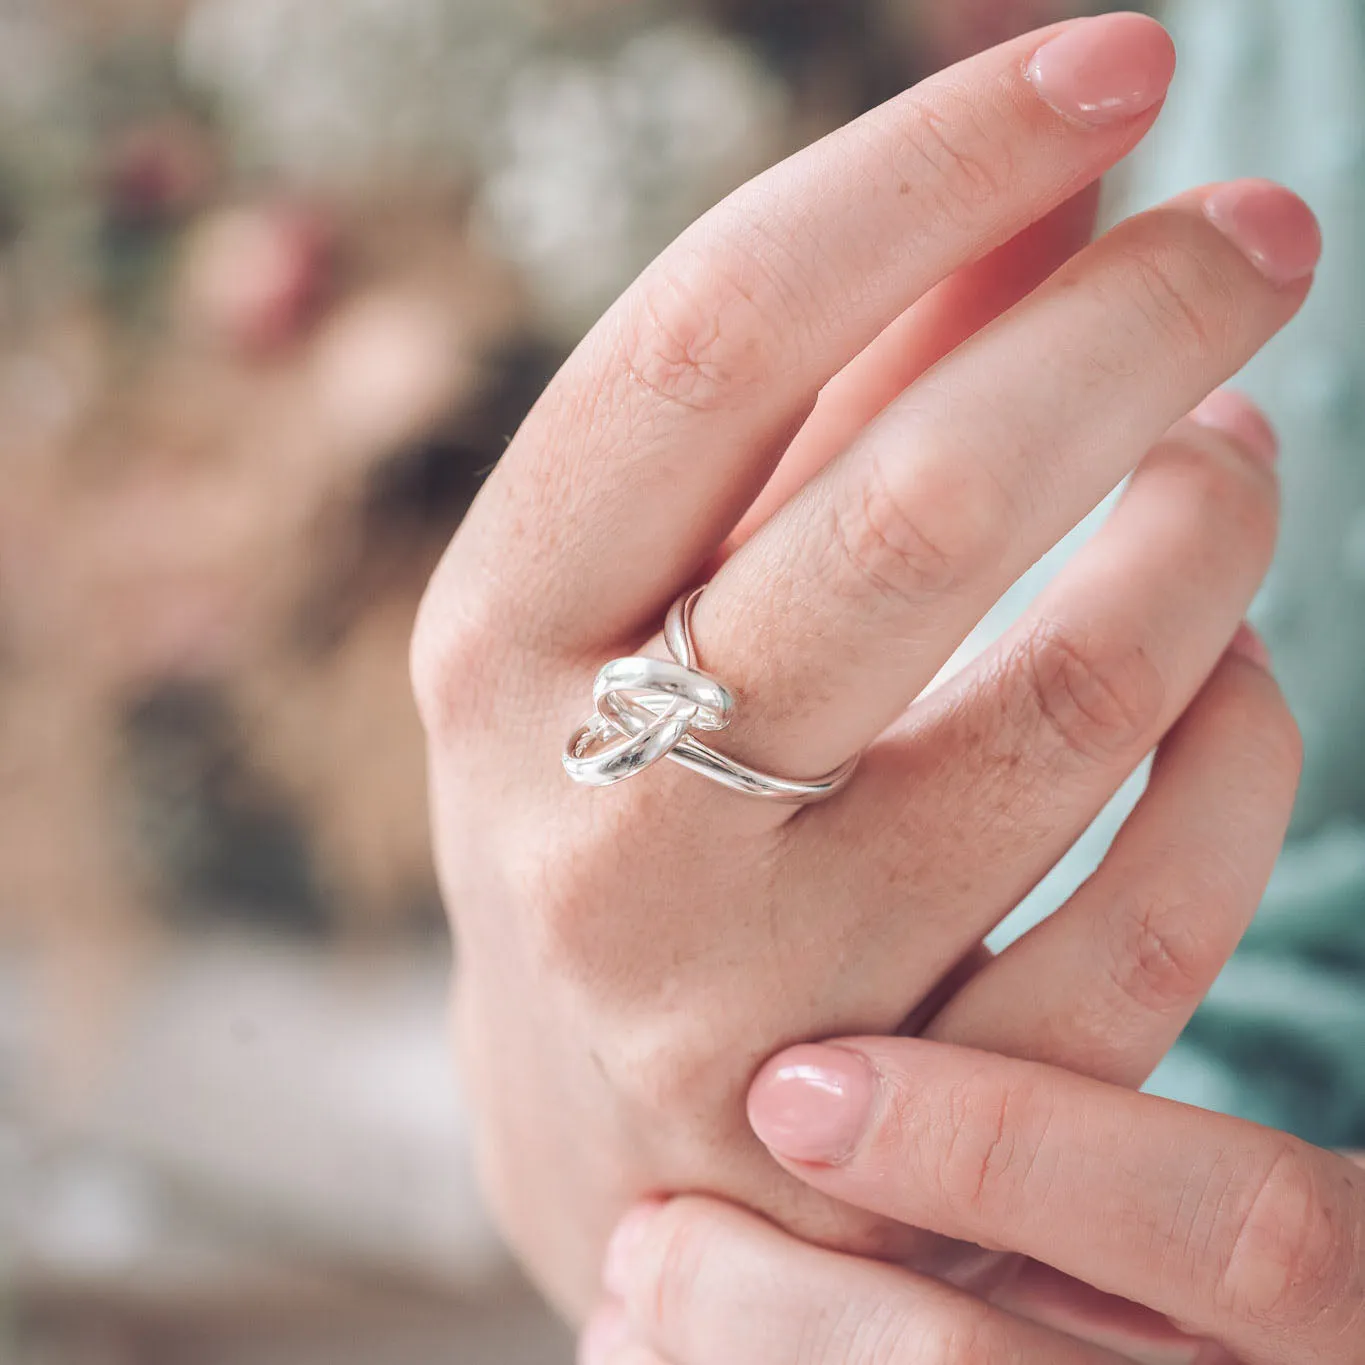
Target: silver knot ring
(648, 709)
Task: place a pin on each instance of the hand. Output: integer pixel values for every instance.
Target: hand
(1138, 1214)
(628, 957)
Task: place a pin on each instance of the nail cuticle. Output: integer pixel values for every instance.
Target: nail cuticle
(1103, 71)
(814, 1104)
(1272, 227)
(1236, 417)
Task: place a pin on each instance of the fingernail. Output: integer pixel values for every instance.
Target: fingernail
(624, 1248)
(1105, 70)
(604, 1335)
(1270, 225)
(1235, 415)
(813, 1103)
(1247, 644)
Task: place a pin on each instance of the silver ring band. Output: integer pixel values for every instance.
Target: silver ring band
(648, 709)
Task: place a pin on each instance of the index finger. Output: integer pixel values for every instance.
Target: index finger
(667, 420)
(1236, 1232)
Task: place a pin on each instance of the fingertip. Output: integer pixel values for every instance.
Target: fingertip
(1105, 70)
(1271, 225)
(812, 1103)
(1235, 415)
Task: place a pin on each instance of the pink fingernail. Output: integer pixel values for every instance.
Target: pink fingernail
(1247, 644)
(604, 1335)
(1271, 225)
(1105, 70)
(813, 1103)
(624, 1248)
(1235, 415)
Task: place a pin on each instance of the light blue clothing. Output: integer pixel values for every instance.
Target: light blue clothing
(1276, 88)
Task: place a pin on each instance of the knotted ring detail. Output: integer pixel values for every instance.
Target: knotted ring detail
(649, 709)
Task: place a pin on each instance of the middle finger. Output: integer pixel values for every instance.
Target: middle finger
(1001, 769)
(1004, 766)
(844, 606)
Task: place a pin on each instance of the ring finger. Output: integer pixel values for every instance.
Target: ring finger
(1003, 767)
(938, 324)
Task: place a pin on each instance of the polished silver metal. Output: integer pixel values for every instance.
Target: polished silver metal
(648, 709)
(711, 704)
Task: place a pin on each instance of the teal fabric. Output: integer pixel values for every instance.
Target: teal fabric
(1276, 88)
(1282, 1037)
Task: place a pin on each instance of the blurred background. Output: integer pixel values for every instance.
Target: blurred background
(278, 280)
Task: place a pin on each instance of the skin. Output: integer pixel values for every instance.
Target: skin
(1134, 1214)
(925, 427)
(1143, 937)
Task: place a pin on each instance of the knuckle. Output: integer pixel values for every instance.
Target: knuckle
(438, 665)
(944, 153)
(929, 539)
(957, 1331)
(891, 1328)
(1180, 295)
(697, 337)
(1164, 955)
(978, 1337)
(990, 1141)
(1291, 1260)
(850, 1329)
(872, 1332)
(1097, 699)
(427, 680)
(460, 648)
